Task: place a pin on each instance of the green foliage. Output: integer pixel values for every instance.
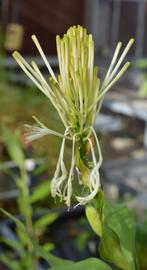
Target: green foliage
(48, 247)
(13, 218)
(9, 262)
(117, 243)
(94, 220)
(40, 192)
(110, 249)
(48, 257)
(17, 105)
(61, 264)
(94, 213)
(82, 239)
(23, 201)
(14, 244)
(88, 264)
(41, 224)
(142, 64)
(26, 237)
(13, 145)
(45, 220)
(115, 224)
(141, 244)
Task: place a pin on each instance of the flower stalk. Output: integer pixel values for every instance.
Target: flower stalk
(77, 95)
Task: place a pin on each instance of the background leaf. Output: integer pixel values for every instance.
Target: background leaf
(40, 192)
(14, 147)
(13, 244)
(13, 218)
(48, 257)
(14, 265)
(45, 220)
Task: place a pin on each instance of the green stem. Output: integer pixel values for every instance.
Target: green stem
(27, 214)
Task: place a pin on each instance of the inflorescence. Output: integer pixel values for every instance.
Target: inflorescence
(77, 95)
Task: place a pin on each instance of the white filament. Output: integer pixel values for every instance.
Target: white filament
(94, 179)
(60, 174)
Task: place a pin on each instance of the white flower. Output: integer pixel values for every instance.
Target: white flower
(77, 96)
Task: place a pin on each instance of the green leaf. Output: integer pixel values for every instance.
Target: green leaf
(13, 218)
(49, 247)
(25, 207)
(94, 213)
(8, 262)
(21, 230)
(48, 257)
(81, 240)
(94, 220)
(88, 264)
(13, 145)
(121, 220)
(110, 249)
(141, 243)
(23, 236)
(117, 244)
(45, 220)
(7, 171)
(142, 63)
(41, 168)
(14, 244)
(40, 192)
(26, 262)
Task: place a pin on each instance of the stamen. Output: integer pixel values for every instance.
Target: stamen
(119, 62)
(43, 86)
(109, 81)
(16, 57)
(34, 38)
(34, 75)
(117, 50)
(105, 90)
(121, 72)
(36, 68)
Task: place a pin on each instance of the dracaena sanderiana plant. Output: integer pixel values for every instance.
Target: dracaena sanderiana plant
(77, 95)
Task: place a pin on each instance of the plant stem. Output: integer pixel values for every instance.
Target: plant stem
(27, 214)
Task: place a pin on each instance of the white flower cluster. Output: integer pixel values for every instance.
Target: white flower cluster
(77, 95)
